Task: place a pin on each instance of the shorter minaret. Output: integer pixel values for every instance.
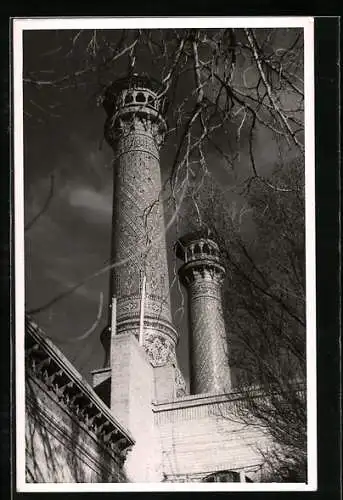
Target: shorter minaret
(202, 274)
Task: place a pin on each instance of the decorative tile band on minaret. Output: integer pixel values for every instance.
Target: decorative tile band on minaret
(202, 274)
(135, 129)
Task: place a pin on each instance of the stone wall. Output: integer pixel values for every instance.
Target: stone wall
(59, 448)
(70, 434)
(132, 391)
(202, 434)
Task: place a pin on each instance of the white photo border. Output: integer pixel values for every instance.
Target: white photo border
(66, 23)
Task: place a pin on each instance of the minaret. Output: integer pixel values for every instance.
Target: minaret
(135, 129)
(202, 274)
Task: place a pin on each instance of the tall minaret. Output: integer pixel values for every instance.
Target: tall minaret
(202, 274)
(135, 128)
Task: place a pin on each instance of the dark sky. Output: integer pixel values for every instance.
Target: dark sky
(63, 135)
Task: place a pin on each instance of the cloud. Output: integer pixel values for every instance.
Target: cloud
(98, 204)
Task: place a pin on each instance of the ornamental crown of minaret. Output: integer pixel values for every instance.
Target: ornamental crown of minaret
(200, 253)
(135, 96)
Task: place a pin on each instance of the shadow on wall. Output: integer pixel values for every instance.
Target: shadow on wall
(41, 461)
(73, 462)
(48, 458)
(57, 448)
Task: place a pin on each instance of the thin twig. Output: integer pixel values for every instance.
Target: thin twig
(45, 206)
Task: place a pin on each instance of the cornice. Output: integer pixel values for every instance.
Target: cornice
(196, 270)
(45, 362)
(188, 401)
(60, 431)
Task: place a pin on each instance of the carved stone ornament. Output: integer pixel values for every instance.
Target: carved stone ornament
(155, 307)
(46, 364)
(180, 384)
(159, 349)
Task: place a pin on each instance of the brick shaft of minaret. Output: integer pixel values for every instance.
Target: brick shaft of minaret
(202, 274)
(135, 129)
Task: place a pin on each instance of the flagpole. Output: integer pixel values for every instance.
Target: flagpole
(113, 316)
(141, 321)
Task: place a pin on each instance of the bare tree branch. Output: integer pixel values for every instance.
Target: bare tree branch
(283, 119)
(45, 206)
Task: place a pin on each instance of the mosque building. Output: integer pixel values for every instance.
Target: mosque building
(137, 421)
